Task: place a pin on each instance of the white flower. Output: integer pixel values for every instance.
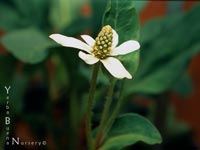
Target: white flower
(101, 49)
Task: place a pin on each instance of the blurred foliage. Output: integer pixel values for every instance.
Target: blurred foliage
(63, 12)
(139, 5)
(9, 17)
(184, 86)
(18, 14)
(175, 127)
(166, 50)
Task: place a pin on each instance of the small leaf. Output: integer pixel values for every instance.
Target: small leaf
(122, 16)
(129, 129)
(28, 45)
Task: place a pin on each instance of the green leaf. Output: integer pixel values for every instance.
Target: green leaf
(117, 13)
(28, 45)
(9, 17)
(166, 51)
(129, 129)
(122, 16)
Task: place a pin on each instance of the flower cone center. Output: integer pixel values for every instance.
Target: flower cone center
(102, 46)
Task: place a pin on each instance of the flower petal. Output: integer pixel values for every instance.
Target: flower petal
(88, 39)
(70, 42)
(115, 67)
(88, 58)
(125, 48)
(115, 38)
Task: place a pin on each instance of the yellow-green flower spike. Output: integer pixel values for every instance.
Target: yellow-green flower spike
(102, 46)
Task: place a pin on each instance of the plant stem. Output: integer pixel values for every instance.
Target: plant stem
(105, 113)
(115, 112)
(90, 106)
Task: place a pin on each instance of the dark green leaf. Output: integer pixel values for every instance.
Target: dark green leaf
(28, 45)
(129, 129)
(122, 16)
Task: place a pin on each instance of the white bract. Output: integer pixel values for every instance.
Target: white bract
(103, 48)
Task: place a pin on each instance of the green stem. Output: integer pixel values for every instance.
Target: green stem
(90, 106)
(115, 112)
(105, 113)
